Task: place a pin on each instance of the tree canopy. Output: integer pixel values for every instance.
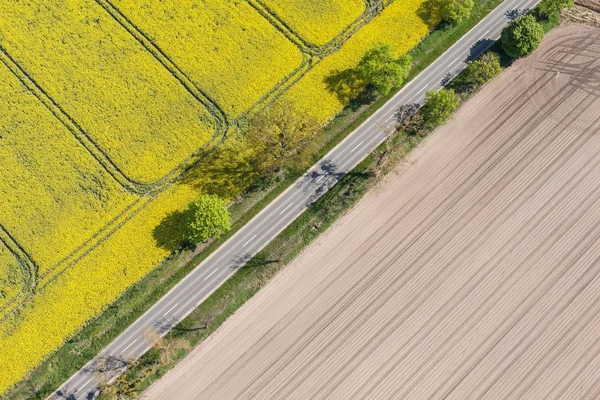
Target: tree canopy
(207, 217)
(457, 10)
(522, 36)
(551, 8)
(281, 136)
(382, 69)
(482, 69)
(439, 106)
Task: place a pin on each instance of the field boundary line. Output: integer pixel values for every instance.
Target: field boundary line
(145, 40)
(100, 236)
(372, 8)
(285, 84)
(86, 141)
(279, 24)
(346, 33)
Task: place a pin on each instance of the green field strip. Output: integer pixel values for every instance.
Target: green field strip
(86, 141)
(283, 27)
(160, 56)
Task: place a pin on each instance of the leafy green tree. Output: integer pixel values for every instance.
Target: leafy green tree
(522, 36)
(550, 9)
(482, 70)
(207, 217)
(280, 136)
(382, 69)
(454, 11)
(439, 106)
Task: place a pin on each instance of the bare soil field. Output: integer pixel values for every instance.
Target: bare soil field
(591, 4)
(473, 273)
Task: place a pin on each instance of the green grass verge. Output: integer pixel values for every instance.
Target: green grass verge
(99, 332)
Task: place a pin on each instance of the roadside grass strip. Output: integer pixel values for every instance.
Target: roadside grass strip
(137, 112)
(226, 47)
(317, 22)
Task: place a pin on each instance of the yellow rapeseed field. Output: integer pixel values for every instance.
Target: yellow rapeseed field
(317, 21)
(135, 110)
(225, 47)
(146, 122)
(56, 194)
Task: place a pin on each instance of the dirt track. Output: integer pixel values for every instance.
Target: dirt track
(475, 273)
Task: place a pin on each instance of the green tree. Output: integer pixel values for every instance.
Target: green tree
(482, 70)
(280, 136)
(207, 217)
(550, 9)
(382, 69)
(522, 36)
(454, 11)
(439, 106)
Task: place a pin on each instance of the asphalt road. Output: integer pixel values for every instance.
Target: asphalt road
(232, 255)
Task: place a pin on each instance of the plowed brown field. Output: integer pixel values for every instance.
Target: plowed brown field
(474, 273)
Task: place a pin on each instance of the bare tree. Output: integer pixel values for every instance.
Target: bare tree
(157, 342)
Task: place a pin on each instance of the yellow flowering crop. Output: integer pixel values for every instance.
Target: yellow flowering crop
(54, 194)
(399, 25)
(136, 111)
(317, 21)
(224, 46)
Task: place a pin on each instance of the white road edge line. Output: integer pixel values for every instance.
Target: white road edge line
(88, 381)
(486, 32)
(130, 344)
(244, 245)
(285, 209)
(171, 309)
(352, 151)
(209, 275)
(455, 60)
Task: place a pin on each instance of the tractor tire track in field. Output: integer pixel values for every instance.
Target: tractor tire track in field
(28, 267)
(86, 141)
(469, 276)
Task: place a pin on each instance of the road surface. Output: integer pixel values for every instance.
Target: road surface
(224, 262)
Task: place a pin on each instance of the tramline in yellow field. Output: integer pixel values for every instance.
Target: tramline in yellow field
(58, 194)
(317, 22)
(145, 121)
(243, 56)
(120, 95)
(12, 281)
